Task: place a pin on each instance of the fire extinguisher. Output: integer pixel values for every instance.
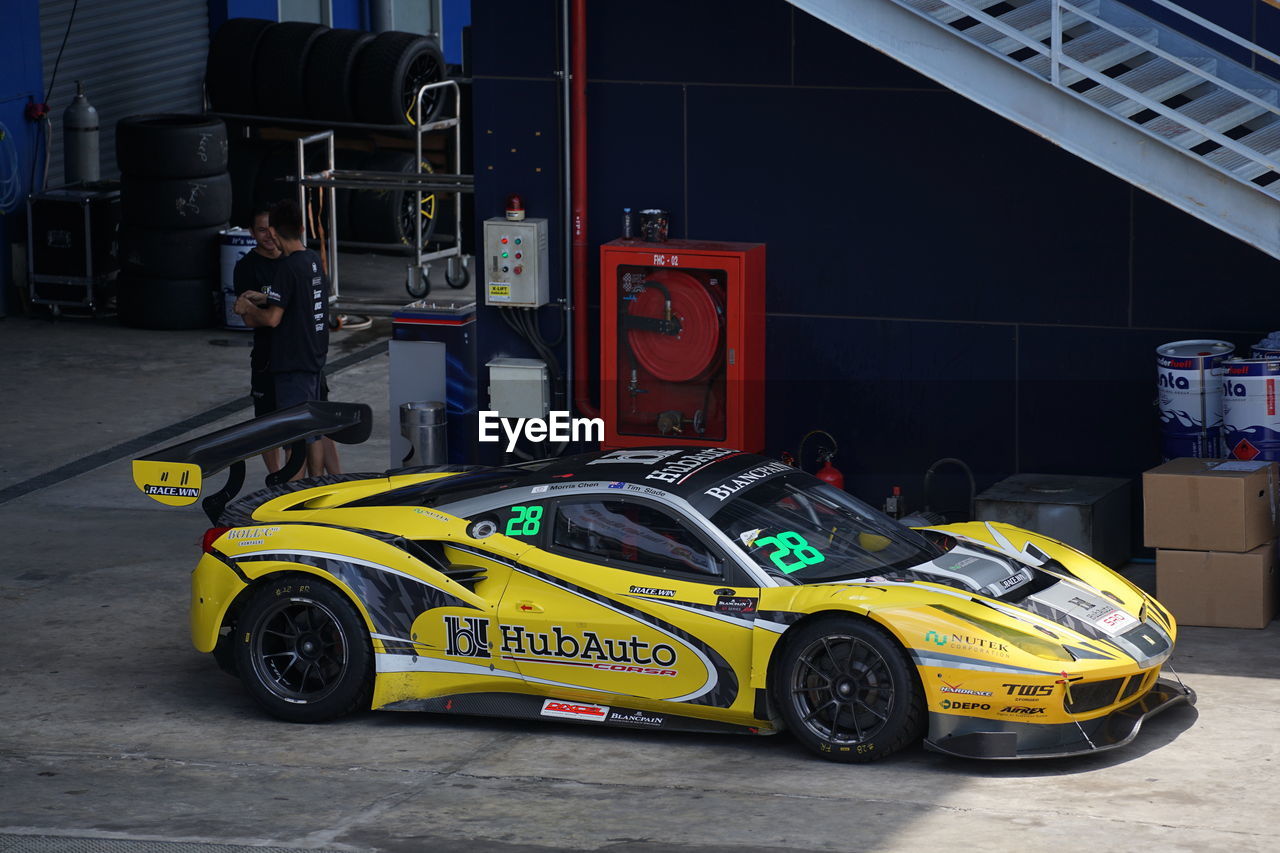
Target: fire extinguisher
(829, 473)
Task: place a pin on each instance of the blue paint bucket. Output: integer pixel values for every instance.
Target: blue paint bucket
(1268, 347)
(233, 244)
(1250, 425)
(1189, 379)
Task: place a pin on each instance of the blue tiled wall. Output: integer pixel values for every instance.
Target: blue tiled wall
(941, 282)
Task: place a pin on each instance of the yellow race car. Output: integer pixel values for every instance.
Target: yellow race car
(657, 588)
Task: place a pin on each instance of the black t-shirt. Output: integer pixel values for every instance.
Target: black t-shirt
(301, 341)
(257, 272)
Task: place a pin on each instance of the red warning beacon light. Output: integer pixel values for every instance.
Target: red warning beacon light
(515, 208)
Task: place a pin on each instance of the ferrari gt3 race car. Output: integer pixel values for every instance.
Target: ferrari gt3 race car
(677, 588)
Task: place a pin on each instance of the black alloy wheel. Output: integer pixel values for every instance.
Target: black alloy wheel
(847, 691)
(303, 650)
(427, 67)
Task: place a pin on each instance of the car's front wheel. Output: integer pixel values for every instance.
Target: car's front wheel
(303, 651)
(847, 690)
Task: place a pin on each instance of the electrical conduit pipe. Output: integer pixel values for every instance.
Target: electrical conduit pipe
(578, 144)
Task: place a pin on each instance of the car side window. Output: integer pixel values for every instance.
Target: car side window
(635, 535)
(522, 520)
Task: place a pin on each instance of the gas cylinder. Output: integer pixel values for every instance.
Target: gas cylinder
(829, 473)
(80, 139)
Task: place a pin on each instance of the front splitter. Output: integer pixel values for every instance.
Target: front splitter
(975, 737)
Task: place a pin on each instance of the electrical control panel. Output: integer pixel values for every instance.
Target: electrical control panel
(682, 343)
(515, 263)
(518, 387)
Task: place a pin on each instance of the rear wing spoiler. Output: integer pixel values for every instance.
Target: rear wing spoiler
(175, 475)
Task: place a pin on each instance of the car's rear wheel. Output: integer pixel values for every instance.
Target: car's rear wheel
(302, 650)
(847, 691)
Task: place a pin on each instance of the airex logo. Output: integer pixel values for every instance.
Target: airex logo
(935, 638)
(466, 637)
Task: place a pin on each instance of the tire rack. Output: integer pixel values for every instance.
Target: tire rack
(332, 178)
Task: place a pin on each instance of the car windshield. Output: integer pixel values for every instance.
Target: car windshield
(800, 528)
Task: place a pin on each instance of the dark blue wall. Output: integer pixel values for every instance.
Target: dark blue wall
(20, 82)
(941, 282)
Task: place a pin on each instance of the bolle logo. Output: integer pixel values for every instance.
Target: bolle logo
(949, 705)
(1234, 389)
(1168, 380)
(936, 638)
(466, 637)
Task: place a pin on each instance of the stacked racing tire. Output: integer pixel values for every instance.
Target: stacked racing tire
(175, 196)
(322, 76)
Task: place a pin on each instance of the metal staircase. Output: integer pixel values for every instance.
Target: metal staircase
(1130, 94)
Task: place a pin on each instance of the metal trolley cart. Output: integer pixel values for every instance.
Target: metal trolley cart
(420, 182)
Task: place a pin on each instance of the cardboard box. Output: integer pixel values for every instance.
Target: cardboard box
(1218, 589)
(1209, 504)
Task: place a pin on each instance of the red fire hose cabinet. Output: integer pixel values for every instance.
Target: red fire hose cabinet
(682, 343)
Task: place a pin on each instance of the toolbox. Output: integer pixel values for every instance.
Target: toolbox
(72, 244)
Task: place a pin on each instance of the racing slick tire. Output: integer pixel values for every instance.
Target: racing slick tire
(281, 58)
(330, 67)
(388, 73)
(302, 650)
(847, 690)
(171, 145)
(228, 76)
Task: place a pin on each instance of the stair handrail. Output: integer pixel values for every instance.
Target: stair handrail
(1182, 119)
(1058, 59)
(1176, 60)
(1221, 31)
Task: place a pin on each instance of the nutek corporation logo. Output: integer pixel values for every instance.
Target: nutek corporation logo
(936, 638)
(466, 637)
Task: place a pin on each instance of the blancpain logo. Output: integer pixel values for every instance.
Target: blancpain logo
(635, 718)
(746, 478)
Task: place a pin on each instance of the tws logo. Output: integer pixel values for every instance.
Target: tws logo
(936, 638)
(466, 637)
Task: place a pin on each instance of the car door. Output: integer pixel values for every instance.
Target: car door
(623, 598)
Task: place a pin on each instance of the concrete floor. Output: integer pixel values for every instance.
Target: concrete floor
(118, 736)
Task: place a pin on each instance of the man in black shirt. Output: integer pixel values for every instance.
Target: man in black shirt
(256, 271)
(295, 308)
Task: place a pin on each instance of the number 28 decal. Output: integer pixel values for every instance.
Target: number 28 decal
(791, 544)
(524, 521)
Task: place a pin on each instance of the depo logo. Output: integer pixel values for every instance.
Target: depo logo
(936, 638)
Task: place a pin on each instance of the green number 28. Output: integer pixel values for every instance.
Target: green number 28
(791, 544)
(525, 521)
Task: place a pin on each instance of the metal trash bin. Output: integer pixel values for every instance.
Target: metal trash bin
(423, 424)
